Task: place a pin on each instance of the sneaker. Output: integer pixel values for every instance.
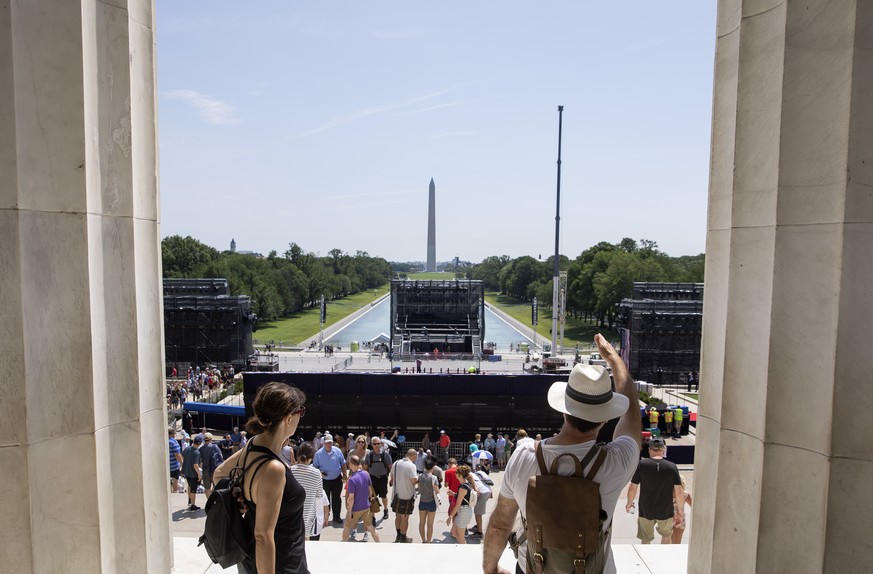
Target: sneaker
(193, 508)
(366, 536)
(406, 539)
(385, 514)
(351, 539)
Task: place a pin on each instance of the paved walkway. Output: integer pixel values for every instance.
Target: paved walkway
(323, 555)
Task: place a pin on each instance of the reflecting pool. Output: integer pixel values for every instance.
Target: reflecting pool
(378, 320)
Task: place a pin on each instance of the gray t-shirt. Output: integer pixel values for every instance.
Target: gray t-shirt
(425, 486)
(378, 464)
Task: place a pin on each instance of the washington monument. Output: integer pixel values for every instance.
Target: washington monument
(431, 227)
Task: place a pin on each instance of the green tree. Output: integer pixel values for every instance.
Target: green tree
(185, 256)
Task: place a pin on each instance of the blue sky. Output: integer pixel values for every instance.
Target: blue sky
(321, 123)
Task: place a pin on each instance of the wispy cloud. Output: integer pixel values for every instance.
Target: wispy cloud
(347, 119)
(397, 35)
(373, 194)
(454, 134)
(213, 110)
(381, 109)
(434, 107)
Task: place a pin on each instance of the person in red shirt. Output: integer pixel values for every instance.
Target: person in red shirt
(445, 441)
(452, 481)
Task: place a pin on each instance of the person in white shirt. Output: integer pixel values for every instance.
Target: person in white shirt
(587, 401)
(404, 478)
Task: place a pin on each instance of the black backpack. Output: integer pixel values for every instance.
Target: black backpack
(228, 537)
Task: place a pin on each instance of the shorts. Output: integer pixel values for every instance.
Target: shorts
(402, 505)
(463, 517)
(380, 485)
(207, 480)
(427, 506)
(481, 503)
(174, 474)
(501, 455)
(192, 483)
(646, 528)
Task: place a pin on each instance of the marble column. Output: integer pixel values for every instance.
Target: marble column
(82, 418)
(784, 454)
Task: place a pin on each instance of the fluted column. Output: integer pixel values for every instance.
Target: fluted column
(82, 420)
(784, 458)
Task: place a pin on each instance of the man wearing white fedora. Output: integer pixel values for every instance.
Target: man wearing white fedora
(587, 401)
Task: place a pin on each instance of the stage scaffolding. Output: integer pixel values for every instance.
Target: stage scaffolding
(662, 327)
(437, 318)
(203, 324)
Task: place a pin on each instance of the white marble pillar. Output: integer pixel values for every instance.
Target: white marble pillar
(82, 420)
(785, 457)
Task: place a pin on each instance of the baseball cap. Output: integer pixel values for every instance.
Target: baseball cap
(657, 443)
(328, 438)
(208, 436)
(198, 439)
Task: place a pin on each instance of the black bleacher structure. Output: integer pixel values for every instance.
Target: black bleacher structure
(446, 316)
(661, 328)
(204, 324)
(461, 403)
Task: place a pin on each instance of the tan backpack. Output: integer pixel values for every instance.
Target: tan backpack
(564, 519)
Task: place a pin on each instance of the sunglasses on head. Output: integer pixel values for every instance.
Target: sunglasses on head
(300, 411)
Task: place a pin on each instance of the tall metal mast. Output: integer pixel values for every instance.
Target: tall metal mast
(555, 279)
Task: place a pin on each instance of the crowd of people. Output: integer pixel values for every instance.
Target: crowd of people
(195, 383)
(294, 487)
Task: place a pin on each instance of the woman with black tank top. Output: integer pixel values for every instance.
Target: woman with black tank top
(272, 495)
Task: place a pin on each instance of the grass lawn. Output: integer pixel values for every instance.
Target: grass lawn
(575, 330)
(692, 396)
(300, 326)
(432, 275)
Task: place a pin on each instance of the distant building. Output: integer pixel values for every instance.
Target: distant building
(233, 245)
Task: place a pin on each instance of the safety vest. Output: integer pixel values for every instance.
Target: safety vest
(653, 417)
(679, 415)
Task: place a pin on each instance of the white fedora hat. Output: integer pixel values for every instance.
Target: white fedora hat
(588, 395)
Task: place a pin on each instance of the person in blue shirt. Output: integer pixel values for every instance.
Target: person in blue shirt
(175, 460)
(332, 465)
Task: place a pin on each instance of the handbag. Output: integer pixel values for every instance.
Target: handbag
(375, 505)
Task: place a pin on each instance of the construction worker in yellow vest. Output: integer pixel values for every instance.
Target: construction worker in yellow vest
(677, 421)
(653, 418)
(668, 421)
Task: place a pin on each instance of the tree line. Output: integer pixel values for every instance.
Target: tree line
(278, 284)
(597, 279)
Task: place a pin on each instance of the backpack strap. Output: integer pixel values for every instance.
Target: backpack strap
(268, 455)
(601, 456)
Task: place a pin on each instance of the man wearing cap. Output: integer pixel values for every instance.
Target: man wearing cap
(377, 463)
(332, 464)
(445, 441)
(191, 471)
(210, 459)
(587, 401)
(658, 481)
